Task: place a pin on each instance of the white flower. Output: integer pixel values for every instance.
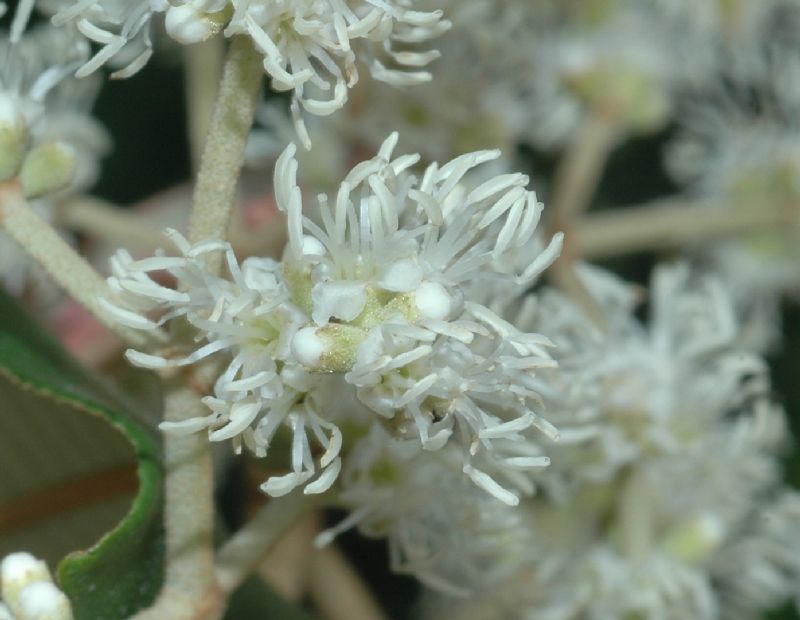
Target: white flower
(383, 281)
(718, 18)
(247, 316)
(374, 301)
(438, 527)
(28, 591)
(738, 148)
(619, 64)
(762, 570)
(44, 113)
(674, 506)
(310, 47)
(639, 390)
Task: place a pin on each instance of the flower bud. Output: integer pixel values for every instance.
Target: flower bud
(331, 348)
(48, 168)
(187, 25)
(433, 301)
(17, 571)
(696, 539)
(43, 601)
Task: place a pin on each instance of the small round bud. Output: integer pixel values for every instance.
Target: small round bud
(48, 168)
(43, 601)
(402, 276)
(307, 347)
(312, 246)
(330, 348)
(696, 539)
(17, 571)
(187, 25)
(433, 301)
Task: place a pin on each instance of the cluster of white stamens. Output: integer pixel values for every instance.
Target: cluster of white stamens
(376, 297)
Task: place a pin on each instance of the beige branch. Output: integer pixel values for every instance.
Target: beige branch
(575, 183)
(68, 268)
(337, 591)
(105, 222)
(670, 223)
(286, 566)
(240, 555)
(581, 167)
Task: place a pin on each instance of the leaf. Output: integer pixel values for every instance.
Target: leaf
(71, 451)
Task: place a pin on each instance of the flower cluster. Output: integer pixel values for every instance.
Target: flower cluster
(613, 62)
(47, 139)
(309, 47)
(664, 500)
(438, 527)
(49, 143)
(28, 591)
(374, 296)
(738, 149)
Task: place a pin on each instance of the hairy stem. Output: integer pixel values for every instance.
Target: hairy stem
(190, 590)
(215, 190)
(670, 223)
(240, 555)
(203, 62)
(68, 268)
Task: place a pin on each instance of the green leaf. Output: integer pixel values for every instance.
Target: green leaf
(67, 442)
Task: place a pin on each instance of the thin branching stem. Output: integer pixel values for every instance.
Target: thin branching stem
(68, 268)
(241, 554)
(669, 224)
(576, 182)
(337, 591)
(103, 221)
(581, 168)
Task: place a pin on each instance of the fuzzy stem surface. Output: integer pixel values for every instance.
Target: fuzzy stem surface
(190, 590)
(203, 66)
(223, 153)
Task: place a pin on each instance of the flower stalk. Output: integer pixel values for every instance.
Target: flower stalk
(190, 590)
(668, 224)
(223, 153)
(240, 555)
(48, 248)
(204, 63)
(576, 181)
